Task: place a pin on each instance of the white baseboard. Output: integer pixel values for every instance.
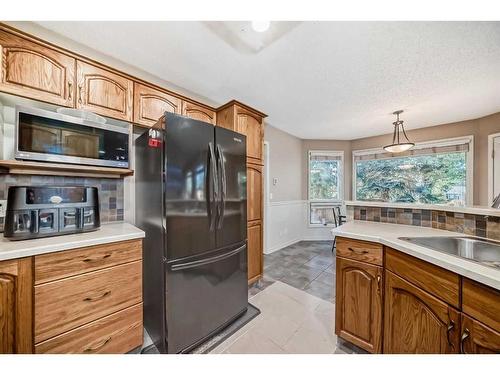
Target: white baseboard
(282, 245)
(287, 223)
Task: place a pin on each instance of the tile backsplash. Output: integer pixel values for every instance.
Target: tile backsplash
(111, 193)
(476, 225)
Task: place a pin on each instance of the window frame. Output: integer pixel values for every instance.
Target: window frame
(469, 169)
(340, 179)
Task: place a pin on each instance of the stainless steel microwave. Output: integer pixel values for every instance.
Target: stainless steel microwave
(54, 137)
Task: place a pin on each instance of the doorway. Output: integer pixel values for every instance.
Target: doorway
(266, 197)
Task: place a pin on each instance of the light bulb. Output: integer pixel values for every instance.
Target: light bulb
(260, 26)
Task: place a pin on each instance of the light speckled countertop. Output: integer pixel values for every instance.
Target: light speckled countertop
(105, 234)
(387, 234)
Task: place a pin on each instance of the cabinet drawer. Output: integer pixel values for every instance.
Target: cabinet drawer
(363, 251)
(116, 333)
(50, 267)
(482, 303)
(69, 303)
(433, 279)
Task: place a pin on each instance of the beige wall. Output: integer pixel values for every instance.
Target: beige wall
(314, 145)
(285, 164)
(479, 128)
(288, 152)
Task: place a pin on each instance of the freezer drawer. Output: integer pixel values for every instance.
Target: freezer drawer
(207, 294)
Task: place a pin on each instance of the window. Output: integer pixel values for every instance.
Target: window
(325, 190)
(431, 173)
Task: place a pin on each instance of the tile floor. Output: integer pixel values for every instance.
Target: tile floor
(306, 265)
(292, 321)
(296, 299)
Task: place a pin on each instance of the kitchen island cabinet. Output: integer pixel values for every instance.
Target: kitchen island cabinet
(425, 308)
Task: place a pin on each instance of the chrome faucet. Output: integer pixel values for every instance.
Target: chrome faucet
(496, 202)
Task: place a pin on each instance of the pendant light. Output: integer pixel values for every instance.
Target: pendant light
(399, 144)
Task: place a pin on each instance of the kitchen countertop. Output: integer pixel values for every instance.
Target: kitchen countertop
(387, 234)
(107, 233)
(474, 210)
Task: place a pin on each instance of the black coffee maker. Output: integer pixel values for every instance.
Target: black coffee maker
(44, 211)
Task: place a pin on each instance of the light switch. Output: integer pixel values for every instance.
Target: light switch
(275, 181)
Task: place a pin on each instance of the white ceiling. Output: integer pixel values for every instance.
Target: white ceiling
(318, 80)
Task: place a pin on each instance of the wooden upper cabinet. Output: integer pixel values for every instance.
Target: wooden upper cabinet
(198, 112)
(32, 70)
(477, 338)
(104, 92)
(359, 294)
(416, 321)
(244, 120)
(250, 125)
(16, 282)
(254, 192)
(150, 104)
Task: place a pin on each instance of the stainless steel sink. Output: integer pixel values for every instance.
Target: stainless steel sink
(480, 250)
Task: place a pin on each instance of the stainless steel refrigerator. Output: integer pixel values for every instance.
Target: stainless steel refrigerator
(191, 199)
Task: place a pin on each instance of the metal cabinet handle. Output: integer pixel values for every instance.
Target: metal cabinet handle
(362, 252)
(70, 91)
(451, 326)
(464, 337)
(80, 94)
(87, 260)
(379, 279)
(93, 299)
(101, 345)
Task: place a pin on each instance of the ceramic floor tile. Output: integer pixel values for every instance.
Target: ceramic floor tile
(253, 343)
(321, 290)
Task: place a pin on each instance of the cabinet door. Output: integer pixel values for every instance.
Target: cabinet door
(104, 92)
(37, 72)
(359, 304)
(251, 125)
(16, 288)
(477, 338)
(150, 104)
(254, 251)
(198, 112)
(254, 192)
(417, 322)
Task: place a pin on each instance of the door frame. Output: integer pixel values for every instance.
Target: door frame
(491, 166)
(266, 196)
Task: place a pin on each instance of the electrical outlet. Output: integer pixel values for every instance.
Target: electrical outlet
(3, 207)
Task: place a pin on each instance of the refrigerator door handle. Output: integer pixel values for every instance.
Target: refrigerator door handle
(202, 262)
(215, 182)
(222, 170)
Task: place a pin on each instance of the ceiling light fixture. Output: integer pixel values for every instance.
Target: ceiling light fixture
(399, 144)
(260, 26)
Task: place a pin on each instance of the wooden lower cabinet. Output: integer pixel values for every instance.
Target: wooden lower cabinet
(359, 295)
(116, 333)
(477, 338)
(255, 253)
(417, 322)
(16, 282)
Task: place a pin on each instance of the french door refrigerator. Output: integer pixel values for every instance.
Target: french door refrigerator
(191, 201)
